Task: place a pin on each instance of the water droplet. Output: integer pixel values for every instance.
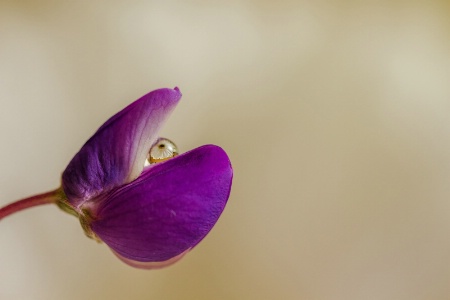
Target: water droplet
(162, 150)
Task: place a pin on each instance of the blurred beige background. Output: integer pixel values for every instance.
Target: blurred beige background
(335, 115)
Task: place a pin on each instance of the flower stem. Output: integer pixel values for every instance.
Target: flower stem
(45, 198)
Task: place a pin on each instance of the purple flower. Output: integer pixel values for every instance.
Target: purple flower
(149, 216)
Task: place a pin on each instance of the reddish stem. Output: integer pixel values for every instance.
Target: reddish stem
(46, 198)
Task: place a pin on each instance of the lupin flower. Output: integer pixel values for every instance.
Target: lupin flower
(131, 190)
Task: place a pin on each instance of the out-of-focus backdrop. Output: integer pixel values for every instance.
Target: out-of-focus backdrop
(336, 116)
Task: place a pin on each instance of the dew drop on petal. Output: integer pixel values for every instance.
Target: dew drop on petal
(162, 150)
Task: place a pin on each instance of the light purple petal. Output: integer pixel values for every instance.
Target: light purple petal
(168, 209)
(151, 264)
(116, 153)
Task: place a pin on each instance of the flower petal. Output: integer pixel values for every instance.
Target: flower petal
(168, 209)
(115, 154)
(151, 264)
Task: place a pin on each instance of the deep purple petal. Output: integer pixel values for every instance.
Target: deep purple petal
(115, 154)
(168, 209)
